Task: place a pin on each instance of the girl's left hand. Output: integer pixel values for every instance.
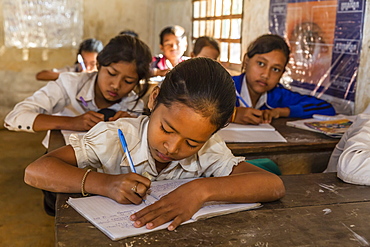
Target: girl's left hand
(179, 205)
(268, 115)
(120, 114)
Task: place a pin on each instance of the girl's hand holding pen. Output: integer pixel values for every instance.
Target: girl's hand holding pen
(121, 114)
(248, 115)
(127, 188)
(86, 121)
(179, 205)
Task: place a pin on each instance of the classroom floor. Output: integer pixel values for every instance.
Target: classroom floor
(22, 218)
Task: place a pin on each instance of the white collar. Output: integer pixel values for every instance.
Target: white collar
(245, 95)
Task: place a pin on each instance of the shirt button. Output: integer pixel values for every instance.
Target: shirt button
(28, 127)
(19, 126)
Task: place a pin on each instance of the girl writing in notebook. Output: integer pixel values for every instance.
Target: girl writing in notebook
(78, 101)
(72, 101)
(260, 96)
(178, 140)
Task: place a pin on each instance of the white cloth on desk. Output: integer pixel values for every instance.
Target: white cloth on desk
(100, 148)
(62, 97)
(351, 156)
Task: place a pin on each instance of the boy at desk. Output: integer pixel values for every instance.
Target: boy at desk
(260, 96)
(173, 44)
(178, 140)
(88, 51)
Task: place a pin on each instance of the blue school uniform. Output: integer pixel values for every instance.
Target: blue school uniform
(301, 106)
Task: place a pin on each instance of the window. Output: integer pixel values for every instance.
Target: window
(222, 20)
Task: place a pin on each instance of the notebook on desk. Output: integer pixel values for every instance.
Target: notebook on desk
(250, 133)
(112, 218)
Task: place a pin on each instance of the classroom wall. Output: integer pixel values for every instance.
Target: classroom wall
(105, 19)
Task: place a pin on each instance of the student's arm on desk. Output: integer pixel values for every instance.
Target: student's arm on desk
(249, 115)
(246, 184)
(79, 123)
(47, 75)
(57, 171)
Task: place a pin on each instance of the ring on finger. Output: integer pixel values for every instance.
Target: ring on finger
(134, 188)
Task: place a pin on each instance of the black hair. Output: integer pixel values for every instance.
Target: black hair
(129, 32)
(129, 49)
(203, 85)
(205, 41)
(267, 43)
(91, 45)
(175, 30)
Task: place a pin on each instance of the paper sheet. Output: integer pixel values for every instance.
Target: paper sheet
(112, 218)
(250, 133)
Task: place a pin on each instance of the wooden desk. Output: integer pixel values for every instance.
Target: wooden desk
(318, 210)
(304, 152)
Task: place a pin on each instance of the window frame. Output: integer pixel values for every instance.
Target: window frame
(210, 29)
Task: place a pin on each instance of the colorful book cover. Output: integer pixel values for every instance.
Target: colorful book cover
(335, 127)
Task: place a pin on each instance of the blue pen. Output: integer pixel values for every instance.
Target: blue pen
(241, 99)
(125, 148)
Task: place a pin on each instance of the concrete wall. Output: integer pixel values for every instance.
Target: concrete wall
(105, 19)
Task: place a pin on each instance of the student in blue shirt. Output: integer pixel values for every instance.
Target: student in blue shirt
(260, 96)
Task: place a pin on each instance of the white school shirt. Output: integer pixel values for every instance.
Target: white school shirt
(100, 148)
(73, 68)
(62, 97)
(244, 93)
(351, 156)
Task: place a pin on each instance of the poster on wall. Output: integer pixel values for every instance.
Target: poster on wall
(325, 40)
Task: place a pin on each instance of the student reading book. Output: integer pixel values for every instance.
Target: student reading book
(112, 218)
(260, 96)
(178, 140)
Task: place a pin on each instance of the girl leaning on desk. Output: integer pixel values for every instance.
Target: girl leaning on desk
(178, 140)
(78, 101)
(74, 100)
(261, 97)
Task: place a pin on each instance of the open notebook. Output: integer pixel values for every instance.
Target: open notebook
(113, 220)
(250, 133)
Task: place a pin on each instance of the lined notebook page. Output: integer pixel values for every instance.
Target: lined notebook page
(113, 218)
